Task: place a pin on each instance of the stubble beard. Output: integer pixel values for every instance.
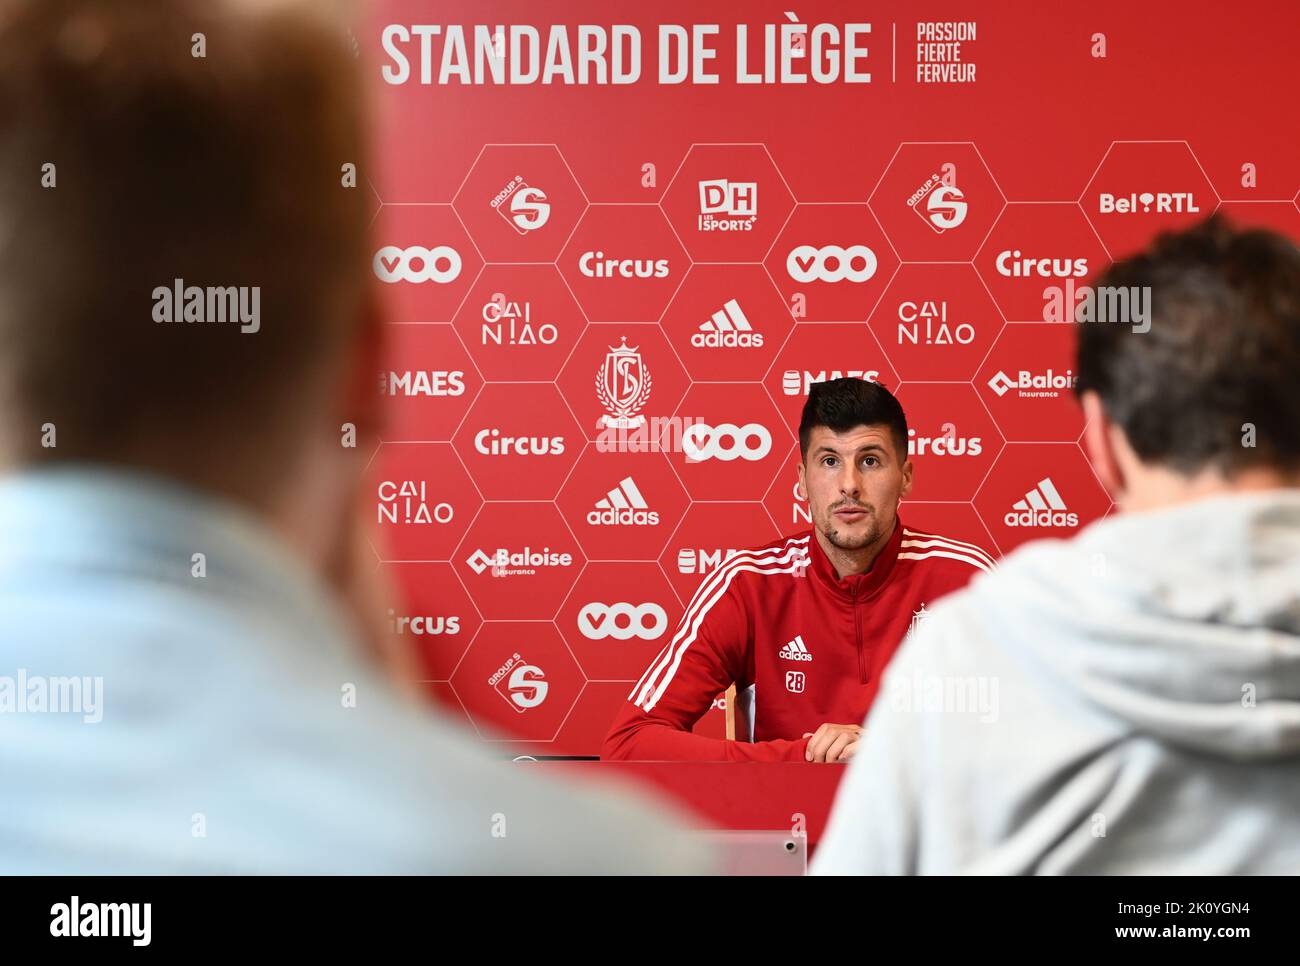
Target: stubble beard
(847, 542)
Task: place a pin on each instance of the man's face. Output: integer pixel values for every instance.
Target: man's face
(853, 482)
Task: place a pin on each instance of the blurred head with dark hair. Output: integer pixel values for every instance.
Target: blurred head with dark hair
(1208, 397)
(204, 141)
(853, 468)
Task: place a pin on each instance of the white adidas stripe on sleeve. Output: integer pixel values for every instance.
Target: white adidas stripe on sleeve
(917, 539)
(705, 597)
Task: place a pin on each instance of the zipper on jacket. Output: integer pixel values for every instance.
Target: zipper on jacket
(857, 631)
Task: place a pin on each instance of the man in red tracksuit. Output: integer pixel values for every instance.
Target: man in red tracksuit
(805, 625)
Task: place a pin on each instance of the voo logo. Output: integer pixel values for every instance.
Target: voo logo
(417, 264)
(726, 442)
(622, 621)
(831, 263)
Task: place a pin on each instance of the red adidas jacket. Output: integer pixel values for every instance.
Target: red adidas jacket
(811, 646)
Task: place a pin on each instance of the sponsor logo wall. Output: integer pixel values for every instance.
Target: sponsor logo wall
(605, 324)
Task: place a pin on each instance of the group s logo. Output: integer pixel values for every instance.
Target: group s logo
(944, 206)
(831, 263)
(702, 442)
(521, 685)
(598, 621)
(417, 264)
(528, 209)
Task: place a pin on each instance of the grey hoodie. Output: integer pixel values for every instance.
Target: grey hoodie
(1127, 701)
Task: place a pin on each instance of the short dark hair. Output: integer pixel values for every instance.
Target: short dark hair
(223, 170)
(1221, 354)
(842, 404)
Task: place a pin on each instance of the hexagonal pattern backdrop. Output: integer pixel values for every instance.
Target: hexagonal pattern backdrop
(565, 315)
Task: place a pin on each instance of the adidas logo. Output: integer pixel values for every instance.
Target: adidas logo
(623, 506)
(727, 329)
(1041, 507)
(796, 650)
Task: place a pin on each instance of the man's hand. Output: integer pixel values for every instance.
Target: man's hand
(833, 742)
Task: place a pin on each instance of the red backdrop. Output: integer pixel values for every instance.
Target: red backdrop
(903, 230)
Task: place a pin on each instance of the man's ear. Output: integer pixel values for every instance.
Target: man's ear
(1098, 443)
(907, 480)
(802, 488)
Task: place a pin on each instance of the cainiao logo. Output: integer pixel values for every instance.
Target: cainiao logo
(795, 382)
(623, 506)
(927, 322)
(727, 328)
(596, 264)
(1012, 264)
(506, 322)
(1047, 384)
(520, 684)
(831, 263)
(1147, 202)
(938, 204)
(1041, 507)
(622, 621)
(800, 512)
(702, 560)
(506, 563)
(406, 501)
(524, 207)
(129, 920)
(422, 382)
(417, 264)
(490, 442)
(726, 442)
(950, 444)
(422, 624)
(728, 205)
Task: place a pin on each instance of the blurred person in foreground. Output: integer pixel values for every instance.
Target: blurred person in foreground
(1147, 671)
(183, 686)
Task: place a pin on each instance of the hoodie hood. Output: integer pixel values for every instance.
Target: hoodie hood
(1184, 621)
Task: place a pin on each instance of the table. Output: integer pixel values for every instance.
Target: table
(727, 795)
